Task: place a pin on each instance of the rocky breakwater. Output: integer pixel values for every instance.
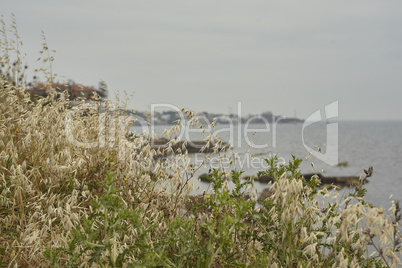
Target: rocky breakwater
(190, 146)
(340, 181)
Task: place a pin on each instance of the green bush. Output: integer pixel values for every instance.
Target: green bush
(229, 229)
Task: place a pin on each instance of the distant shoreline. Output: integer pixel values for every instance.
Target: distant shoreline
(170, 118)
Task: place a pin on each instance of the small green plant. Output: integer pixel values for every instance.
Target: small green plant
(276, 170)
(97, 234)
(224, 230)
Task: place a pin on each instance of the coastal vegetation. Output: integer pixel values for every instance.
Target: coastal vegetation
(72, 196)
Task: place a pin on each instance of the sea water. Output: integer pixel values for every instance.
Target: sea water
(360, 144)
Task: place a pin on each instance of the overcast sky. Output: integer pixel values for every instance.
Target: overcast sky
(279, 56)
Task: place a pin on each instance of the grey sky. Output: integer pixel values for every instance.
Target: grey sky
(277, 56)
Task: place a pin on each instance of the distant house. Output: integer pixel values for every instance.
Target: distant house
(74, 91)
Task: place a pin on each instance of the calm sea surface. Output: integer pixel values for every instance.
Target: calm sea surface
(360, 144)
